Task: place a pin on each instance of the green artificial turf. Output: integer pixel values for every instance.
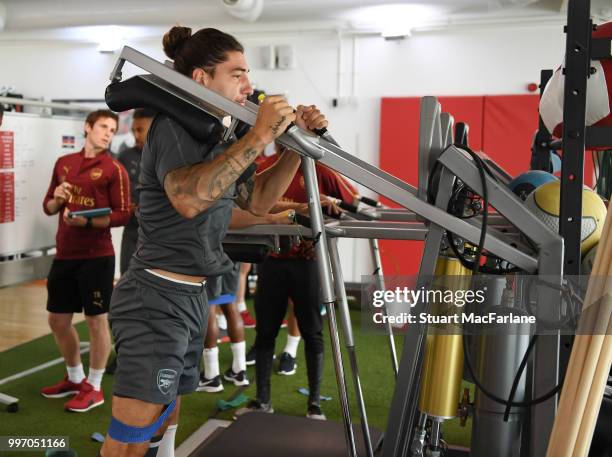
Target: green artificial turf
(39, 416)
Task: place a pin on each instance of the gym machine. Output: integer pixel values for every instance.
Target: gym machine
(180, 97)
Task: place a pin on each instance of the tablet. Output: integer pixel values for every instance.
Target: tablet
(91, 212)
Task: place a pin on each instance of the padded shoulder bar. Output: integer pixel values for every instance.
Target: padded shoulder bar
(140, 92)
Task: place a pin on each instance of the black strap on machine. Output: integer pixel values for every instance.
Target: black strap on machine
(303, 220)
(369, 201)
(249, 253)
(139, 92)
(354, 213)
(247, 248)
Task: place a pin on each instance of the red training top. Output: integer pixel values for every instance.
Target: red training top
(331, 184)
(97, 182)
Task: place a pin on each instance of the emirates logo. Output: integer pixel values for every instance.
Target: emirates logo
(96, 173)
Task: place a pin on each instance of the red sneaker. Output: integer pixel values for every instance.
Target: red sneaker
(61, 389)
(86, 399)
(223, 339)
(247, 319)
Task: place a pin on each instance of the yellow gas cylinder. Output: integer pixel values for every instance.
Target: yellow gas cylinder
(443, 364)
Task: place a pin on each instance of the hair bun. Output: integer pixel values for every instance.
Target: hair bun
(174, 40)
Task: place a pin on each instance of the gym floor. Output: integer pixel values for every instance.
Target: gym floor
(26, 343)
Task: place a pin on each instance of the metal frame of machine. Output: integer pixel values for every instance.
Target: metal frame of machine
(456, 164)
(547, 261)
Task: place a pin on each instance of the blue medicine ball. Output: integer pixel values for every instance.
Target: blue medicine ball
(527, 182)
(555, 161)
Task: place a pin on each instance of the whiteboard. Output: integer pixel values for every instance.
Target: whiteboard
(37, 143)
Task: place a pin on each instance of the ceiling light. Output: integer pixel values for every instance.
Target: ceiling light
(396, 32)
(392, 21)
(110, 39)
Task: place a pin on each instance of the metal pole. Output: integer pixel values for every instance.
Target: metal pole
(41, 104)
(380, 284)
(325, 280)
(417, 448)
(434, 448)
(349, 341)
(403, 412)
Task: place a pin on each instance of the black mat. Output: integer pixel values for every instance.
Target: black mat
(269, 435)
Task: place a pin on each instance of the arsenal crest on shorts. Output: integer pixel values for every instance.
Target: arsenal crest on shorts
(165, 380)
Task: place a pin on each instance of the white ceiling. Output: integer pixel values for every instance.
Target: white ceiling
(32, 18)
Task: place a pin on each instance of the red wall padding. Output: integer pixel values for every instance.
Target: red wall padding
(509, 123)
(502, 126)
(399, 142)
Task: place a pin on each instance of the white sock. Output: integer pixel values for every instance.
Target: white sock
(222, 321)
(241, 306)
(154, 444)
(211, 362)
(166, 447)
(292, 345)
(238, 356)
(95, 377)
(75, 374)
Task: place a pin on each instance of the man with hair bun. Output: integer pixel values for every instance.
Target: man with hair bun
(187, 190)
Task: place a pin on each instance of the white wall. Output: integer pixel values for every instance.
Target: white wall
(475, 61)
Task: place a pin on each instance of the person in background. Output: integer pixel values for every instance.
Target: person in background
(226, 299)
(291, 275)
(130, 158)
(247, 319)
(82, 273)
(339, 186)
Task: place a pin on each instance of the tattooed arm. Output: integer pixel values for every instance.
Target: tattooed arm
(194, 188)
(263, 191)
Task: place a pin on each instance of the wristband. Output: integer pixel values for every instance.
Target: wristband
(89, 223)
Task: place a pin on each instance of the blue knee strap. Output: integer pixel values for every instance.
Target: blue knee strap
(128, 434)
(222, 299)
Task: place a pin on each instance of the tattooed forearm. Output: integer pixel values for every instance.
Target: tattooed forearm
(228, 172)
(245, 193)
(276, 126)
(194, 188)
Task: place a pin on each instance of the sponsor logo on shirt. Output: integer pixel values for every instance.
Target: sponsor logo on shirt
(165, 380)
(96, 173)
(77, 198)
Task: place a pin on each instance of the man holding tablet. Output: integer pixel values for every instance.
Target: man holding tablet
(91, 193)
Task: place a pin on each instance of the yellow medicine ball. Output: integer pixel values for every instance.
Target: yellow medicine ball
(544, 203)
